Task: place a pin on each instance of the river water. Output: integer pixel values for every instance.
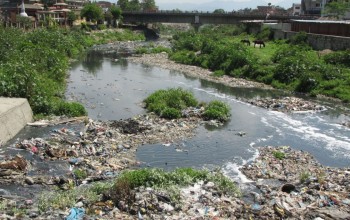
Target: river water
(112, 88)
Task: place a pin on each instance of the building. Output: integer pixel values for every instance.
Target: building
(324, 27)
(296, 9)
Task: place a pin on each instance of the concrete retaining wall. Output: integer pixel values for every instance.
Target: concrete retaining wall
(15, 113)
(317, 41)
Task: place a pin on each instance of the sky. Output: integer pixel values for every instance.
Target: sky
(211, 5)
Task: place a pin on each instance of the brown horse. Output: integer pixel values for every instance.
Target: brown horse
(260, 42)
(246, 41)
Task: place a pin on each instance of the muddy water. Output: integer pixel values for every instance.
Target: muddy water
(112, 89)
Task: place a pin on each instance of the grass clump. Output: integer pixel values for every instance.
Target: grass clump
(217, 110)
(279, 154)
(80, 174)
(67, 199)
(304, 176)
(169, 103)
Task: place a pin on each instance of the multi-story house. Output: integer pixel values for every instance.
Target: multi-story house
(313, 7)
(296, 9)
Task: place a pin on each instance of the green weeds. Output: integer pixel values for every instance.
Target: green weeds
(279, 154)
(290, 65)
(217, 110)
(169, 104)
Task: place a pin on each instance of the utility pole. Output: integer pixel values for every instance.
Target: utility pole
(322, 7)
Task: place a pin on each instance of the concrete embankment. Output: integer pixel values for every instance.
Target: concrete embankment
(15, 113)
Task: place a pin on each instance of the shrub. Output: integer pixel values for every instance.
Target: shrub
(299, 38)
(80, 174)
(217, 110)
(169, 103)
(265, 34)
(219, 73)
(160, 49)
(338, 58)
(101, 27)
(141, 50)
(171, 113)
(70, 109)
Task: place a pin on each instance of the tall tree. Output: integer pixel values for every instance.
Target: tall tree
(116, 12)
(148, 5)
(337, 8)
(219, 11)
(123, 4)
(71, 17)
(92, 12)
(134, 5)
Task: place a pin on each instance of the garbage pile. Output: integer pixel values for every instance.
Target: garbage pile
(100, 149)
(13, 169)
(302, 189)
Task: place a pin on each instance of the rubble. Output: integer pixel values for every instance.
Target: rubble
(305, 189)
(99, 149)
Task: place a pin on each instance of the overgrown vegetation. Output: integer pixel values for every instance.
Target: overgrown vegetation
(290, 65)
(170, 103)
(34, 65)
(217, 110)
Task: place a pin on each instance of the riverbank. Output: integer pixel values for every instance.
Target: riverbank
(286, 104)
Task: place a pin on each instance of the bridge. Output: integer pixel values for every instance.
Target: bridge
(202, 17)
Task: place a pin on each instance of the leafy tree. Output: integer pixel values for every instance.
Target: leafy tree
(148, 5)
(116, 12)
(337, 8)
(71, 17)
(123, 4)
(219, 11)
(92, 12)
(134, 5)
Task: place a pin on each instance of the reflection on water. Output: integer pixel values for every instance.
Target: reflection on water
(117, 89)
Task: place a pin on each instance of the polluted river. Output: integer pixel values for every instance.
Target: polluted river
(113, 88)
(119, 133)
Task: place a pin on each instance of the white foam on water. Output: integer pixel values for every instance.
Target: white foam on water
(231, 169)
(339, 144)
(252, 113)
(265, 122)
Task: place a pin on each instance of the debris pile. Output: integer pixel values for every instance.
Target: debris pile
(13, 169)
(302, 189)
